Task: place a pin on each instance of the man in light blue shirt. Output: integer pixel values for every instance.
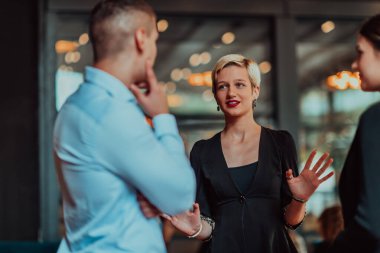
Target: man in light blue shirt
(106, 152)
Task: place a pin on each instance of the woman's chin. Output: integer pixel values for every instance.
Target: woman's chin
(365, 86)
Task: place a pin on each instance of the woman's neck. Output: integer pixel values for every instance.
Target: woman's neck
(240, 127)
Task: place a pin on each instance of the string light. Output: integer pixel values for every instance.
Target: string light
(327, 26)
(344, 80)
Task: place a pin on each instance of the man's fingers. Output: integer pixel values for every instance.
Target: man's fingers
(136, 92)
(142, 85)
(165, 216)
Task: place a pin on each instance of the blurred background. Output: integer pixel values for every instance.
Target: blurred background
(304, 49)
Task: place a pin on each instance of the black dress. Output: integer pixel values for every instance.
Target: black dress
(359, 189)
(252, 221)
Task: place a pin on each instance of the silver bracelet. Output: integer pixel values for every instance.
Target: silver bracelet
(197, 233)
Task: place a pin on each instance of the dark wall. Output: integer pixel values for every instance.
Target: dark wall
(19, 199)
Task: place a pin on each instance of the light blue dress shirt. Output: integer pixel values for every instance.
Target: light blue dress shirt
(105, 152)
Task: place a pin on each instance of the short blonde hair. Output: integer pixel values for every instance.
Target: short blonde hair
(238, 60)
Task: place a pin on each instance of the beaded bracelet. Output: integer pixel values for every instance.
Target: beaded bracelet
(299, 200)
(211, 222)
(293, 227)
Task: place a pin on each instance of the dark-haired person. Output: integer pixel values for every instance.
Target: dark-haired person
(360, 180)
(105, 151)
(330, 225)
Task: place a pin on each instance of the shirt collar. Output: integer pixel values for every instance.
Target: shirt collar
(108, 82)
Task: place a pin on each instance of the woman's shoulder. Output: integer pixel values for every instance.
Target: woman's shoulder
(198, 145)
(373, 112)
(282, 136)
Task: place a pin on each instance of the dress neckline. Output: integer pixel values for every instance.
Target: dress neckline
(244, 166)
(225, 167)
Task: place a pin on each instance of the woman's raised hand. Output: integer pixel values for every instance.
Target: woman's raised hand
(303, 186)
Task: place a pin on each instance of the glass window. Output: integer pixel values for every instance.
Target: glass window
(188, 48)
(331, 100)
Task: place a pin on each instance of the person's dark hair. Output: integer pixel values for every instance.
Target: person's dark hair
(106, 36)
(331, 223)
(371, 30)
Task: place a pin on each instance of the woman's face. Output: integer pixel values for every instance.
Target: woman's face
(367, 62)
(234, 92)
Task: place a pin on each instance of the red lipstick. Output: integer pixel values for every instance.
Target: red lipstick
(232, 103)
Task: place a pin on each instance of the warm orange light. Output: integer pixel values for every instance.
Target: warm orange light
(344, 80)
(200, 79)
(171, 87)
(327, 26)
(205, 57)
(162, 25)
(196, 79)
(228, 38)
(195, 60)
(72, 57)
(175, 100)
(265, 67)
(176, 74)
(355, 81)
(207, 78)
(186, 72)
(64, 46)
(84, 39)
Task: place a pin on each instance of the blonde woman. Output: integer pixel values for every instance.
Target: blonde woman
(248, 188)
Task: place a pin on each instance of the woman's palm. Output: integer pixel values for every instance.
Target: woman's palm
(308, 181)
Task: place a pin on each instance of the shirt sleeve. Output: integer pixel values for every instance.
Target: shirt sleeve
(153, 162)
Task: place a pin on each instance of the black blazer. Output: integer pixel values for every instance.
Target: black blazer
(250, 221)
(360, 189)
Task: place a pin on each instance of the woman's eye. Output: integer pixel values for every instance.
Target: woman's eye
(221, 87)
(240, 85)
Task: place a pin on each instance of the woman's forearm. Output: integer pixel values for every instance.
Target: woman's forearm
(295, 212)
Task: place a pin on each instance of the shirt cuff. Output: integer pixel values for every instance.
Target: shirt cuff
(165, 124)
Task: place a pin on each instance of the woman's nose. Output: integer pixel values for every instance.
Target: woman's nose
(231, 92)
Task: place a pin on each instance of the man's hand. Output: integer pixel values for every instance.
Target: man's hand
(149, 210)
(153, 100)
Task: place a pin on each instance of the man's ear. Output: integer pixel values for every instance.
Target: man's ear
(140, 37)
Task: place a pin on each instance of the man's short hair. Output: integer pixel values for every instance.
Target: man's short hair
(113, 22)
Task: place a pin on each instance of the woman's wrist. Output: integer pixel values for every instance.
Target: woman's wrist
(197, 231)
(300, 200)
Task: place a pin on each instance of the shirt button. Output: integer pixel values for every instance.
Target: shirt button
(242, 199)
